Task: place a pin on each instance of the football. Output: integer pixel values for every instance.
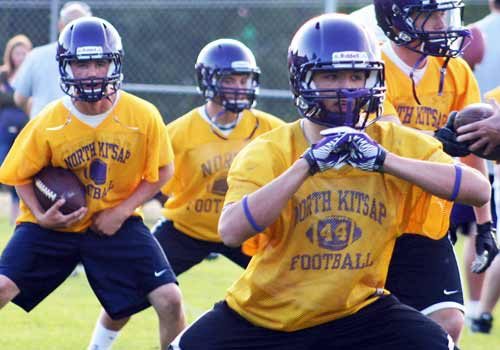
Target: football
(52, 184)
(473, 113)
(474, 47)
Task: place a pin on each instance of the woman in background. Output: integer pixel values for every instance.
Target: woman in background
(12, 119)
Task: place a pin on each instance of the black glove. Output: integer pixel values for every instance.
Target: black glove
(486, 247)
(448, 137)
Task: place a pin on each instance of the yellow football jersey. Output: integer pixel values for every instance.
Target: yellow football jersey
(493, 95)
(202, 159)
(130, 145)
(328, 253)
(460, 89)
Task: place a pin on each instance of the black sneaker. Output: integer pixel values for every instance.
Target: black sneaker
(482, 324)
(212, 256)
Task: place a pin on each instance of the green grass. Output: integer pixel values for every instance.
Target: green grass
(65, 320)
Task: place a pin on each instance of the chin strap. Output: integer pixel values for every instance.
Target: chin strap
(412, 72)
(442, 75)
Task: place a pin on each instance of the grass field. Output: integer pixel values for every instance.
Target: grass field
(64, 321)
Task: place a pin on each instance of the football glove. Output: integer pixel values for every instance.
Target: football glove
(364, 153)
(448, 137)
(325, 155)
(486, 247)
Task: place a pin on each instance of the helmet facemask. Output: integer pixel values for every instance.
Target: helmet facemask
(448, 41)
(352, 107)
(232, 99)
(91, 89)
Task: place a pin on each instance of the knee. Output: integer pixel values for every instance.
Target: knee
(451, 320)
(167, 298)
(8, 290)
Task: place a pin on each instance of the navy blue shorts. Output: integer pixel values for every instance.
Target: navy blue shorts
(184, 252)
(424, 274)
(385, 324)
(122, 269)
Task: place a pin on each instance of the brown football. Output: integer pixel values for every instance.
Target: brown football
(52, 184)
(473, 113)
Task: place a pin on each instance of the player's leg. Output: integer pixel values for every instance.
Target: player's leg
(8, 290)
(183, 252)
(489, 298)
(424, 274)
(400, 327)
(223, 329)
(34, 263)
(236, 255)
(133, 257)
(463, 220)
(167, 302)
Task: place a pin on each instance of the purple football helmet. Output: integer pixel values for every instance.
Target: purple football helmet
(334, 42)
(398, 18)
(90, 38)
(224, 57)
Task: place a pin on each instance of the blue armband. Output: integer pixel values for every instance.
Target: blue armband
(458, 182)
(249, 216)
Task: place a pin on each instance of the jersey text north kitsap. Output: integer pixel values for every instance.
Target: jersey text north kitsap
(128, 146)
(328, 253)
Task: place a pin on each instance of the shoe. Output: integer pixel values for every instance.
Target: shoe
(482, 324)
(212, 256)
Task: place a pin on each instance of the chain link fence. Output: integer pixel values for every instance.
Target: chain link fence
(162, 39)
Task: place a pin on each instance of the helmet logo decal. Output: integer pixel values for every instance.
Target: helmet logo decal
(88, 50)
(240, 64)
(350, 55)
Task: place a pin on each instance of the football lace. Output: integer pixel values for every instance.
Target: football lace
(45, 190)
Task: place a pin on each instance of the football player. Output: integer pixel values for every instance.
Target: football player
(117, 145)
(425, 83)
(487, 132)
(331, 191)
(205, 141)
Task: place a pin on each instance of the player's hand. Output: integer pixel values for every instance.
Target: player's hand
(483, 133)
(364, 153)
(108, 221)
(54, 219)
(486, 247)
(325, 155)
(448, 137)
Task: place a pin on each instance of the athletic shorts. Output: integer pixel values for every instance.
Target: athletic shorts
(184, 252)
(385, 324)
(121, 269)
(424, 274)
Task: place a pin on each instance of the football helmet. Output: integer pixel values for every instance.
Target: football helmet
(398, 19)
(219, 59)
(90, 38)
(333, 42)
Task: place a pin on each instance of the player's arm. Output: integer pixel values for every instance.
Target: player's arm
(52, 218)
(263, 206)
(108, 221)
(442, 180)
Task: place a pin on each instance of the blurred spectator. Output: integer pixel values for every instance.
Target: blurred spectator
(12, 119)
(487, 72)
(39, 75)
